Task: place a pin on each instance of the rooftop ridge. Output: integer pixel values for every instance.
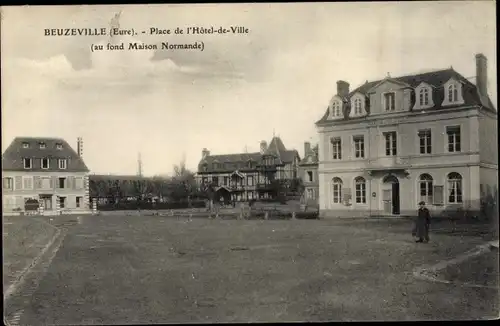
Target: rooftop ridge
(415, 74)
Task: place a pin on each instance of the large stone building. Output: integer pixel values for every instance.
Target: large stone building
(308, 172)
(248, 176)
(46, 170)
(391, 143)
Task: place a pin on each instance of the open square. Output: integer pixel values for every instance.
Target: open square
(133, 269)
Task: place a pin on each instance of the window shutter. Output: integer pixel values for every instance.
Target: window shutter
(70, 182)
(438, 195)
(53, 183)
(18, 182)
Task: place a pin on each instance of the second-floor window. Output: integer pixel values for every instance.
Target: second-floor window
(359, 146)
(425, 141)
(250, 180)
(45, 163)
(336, 149)
(62, 183)
(63, 163)
(310, 177)
(454, 143)
(390, 143)
(390, 101)
(8, 183)
(226, 181)
(215, 181)
(27, 163)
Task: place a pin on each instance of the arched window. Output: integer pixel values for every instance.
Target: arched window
(452, 93)
(425, 188)
(454, 188)
(357, 106)
(360, 186)
(424, 96)
(336, 109)
(337, 190)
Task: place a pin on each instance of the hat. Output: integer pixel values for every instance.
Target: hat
(422, 203)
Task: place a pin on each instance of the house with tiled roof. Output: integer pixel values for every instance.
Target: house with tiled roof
(44, 175)
(248, 176)
(308, 172)
(391, 143)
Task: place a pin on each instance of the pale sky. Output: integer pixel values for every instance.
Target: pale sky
(232, 95)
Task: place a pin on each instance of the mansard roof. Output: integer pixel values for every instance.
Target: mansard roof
(12, 158)
(436, 79)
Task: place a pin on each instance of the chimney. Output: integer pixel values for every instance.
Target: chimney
(263, 147)
(342, 88)
(205, 153)
(79, 146)
(481, 74)
(307, 148)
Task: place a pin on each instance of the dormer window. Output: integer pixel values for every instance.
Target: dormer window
(357, 105)
(452, 93)
(42, 145)
(45, 163)
(389, 102)
(424, 97)
(59, 146)
(336, 111)
(423, 94)
(63, 164)
(26, 145)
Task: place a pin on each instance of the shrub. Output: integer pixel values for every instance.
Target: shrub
(126, 206)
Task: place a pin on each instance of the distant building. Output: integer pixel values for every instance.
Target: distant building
(47, 170)
(391, 143)
(247, 176)
(308, 172)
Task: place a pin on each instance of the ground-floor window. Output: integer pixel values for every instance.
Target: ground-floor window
(454, 188)
(425, 185)
(310, 193)
(360, 184)
(62, 202)
(337, 190)
(79, 201)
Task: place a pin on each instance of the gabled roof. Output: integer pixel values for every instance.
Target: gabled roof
(436, 79)
(240, 161)
(12, 158)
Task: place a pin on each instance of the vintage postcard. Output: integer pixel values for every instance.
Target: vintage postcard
(272, 162)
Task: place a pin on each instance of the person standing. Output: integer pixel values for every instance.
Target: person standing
(422, 223)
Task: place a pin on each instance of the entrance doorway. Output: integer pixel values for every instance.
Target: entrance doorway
(390, 195)
(223, 195)
(47, 202)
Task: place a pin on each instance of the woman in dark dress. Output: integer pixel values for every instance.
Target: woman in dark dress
(421, 230)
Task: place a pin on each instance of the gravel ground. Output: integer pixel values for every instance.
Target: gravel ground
(125, 270)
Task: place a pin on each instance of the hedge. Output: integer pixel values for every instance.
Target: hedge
(126, 206)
